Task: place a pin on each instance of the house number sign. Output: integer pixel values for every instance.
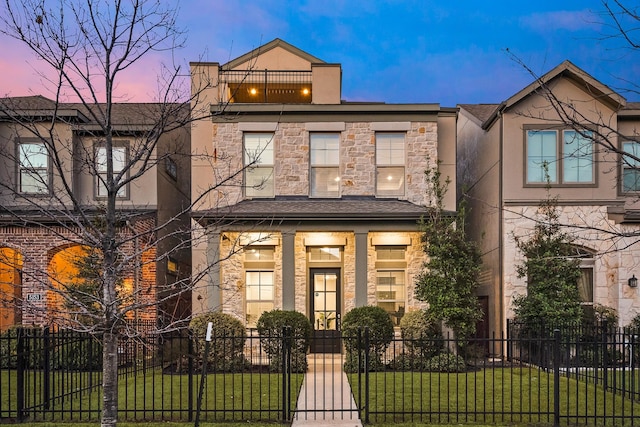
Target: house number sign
(34, 297)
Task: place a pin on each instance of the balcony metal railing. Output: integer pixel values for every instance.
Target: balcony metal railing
(264, 86)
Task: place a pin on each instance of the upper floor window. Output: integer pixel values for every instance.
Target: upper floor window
(390, 161)
(258, 161)
(34, 168)
(631, 166)
(171, 167)
(119, 156)
(559, 156)
(325, 164)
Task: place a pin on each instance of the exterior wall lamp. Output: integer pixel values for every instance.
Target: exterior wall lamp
(633, 282)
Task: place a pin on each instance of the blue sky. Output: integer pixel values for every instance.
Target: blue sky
(403, 51)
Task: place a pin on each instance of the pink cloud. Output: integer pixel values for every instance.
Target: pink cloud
(23, 75)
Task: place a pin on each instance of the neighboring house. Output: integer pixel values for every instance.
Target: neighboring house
(304, 201)
(41, 228)
(502, 151)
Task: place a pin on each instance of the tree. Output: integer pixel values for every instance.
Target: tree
(83, 48)
(449, 278)
(552, 272)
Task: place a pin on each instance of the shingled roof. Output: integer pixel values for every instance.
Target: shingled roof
(480, 111)
(288, 208)
(129, 115)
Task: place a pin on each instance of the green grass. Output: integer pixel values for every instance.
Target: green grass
(490, 396)
(231, 396)
(509, 396)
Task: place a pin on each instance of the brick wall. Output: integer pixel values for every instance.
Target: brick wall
(38, 244)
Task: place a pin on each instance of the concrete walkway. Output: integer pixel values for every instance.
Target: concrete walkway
(325, 397)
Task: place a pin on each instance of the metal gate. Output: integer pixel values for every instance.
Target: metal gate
(326, 393)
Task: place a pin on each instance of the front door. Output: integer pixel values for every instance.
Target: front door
(325, 310)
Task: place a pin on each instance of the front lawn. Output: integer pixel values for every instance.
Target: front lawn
(499, 395)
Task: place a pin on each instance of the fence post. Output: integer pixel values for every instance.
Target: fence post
(285, 356)
(205, 356)
(191, 353)
(556, 377)
(605, 354)
(509, 355)
(20, 368)
(359, 360)
(366, 374)
(46, 369)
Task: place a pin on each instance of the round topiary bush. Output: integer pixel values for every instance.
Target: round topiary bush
(446, 362)
(227, 341)
(421, 334)
(380, 332)
(270, 327)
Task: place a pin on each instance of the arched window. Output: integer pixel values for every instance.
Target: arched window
(10, 287)
(585, 283)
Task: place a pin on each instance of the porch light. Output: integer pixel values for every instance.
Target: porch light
(253, 91)
(305, 91)
(633, 282)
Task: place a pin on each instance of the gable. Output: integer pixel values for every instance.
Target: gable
(275, 55)
(581, 79)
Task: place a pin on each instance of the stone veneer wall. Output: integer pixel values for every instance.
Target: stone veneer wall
(233, 278)
(38, 244)
(357, 153)
(616, 259)
(348, 279)
(415, 258)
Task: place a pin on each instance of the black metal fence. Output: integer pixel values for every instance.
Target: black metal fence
(573, 376)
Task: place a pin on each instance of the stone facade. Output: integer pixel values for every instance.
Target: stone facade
(357, 154)
(613, 264)
(232, 270)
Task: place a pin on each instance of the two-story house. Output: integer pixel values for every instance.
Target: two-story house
(304, 201)
(52, 166)
(510, 154)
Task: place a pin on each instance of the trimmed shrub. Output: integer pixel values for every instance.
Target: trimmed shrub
(32, 356)
(635, 323)
(408, 362)
(227, 341)
(270, 326)
(77, 352)
(446, 362)
(380, 327)
(421, 334)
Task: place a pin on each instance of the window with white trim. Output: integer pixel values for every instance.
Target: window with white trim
(325, 164)
(559, 156)
(259, 282)
(119, 156)
(33, 171)
(391, 281)
(390, 163)
(258, 161)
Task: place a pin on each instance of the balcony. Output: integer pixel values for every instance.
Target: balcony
(274, 87)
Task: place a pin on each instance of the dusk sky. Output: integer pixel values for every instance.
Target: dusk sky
(393, 51)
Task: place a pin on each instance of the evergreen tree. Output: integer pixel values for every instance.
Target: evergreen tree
(551, 270)
(449, 279)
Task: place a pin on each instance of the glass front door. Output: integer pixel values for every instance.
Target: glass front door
(325, 310)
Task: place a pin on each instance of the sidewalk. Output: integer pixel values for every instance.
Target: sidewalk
(325, 398)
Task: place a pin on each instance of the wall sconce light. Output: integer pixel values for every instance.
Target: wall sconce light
(633, 282)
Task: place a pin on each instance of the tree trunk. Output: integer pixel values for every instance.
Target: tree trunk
(109, 380)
